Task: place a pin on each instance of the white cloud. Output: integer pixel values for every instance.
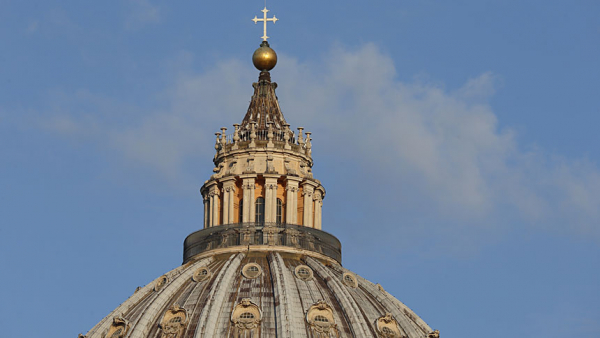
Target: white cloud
(423, 142)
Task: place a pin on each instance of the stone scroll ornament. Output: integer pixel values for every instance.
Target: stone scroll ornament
(118, 328)
(245, 318)
(174, 322)
(434, 334)
(387, 327)
(321, 321)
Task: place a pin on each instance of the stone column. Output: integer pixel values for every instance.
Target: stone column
(307, 192)
(270, 197)
(291, 210)
(211, 195)
(228, 192)
(248, 197)
(318, 198)
(214, 205)
(206, 211)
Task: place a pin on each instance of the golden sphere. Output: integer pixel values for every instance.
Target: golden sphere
(264, 58)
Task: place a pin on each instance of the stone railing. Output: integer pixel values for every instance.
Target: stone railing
(245, 235)
(283, 139)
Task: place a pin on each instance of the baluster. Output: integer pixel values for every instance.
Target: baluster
(223, 138)
(236, 136)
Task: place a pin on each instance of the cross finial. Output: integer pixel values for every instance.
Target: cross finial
(265, 20)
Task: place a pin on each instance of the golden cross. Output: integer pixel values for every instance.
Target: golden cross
(265, 19)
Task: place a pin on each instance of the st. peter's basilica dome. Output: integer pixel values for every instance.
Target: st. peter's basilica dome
(261, 266)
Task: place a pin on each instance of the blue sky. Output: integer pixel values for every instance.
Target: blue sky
(457, 141)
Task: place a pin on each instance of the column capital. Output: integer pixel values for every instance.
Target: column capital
(309, 183)
(271, 176)
(248, 176)
(227, 179)
(293, 179)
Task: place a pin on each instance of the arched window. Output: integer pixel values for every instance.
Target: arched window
(279, 215)
(260, 210)
(241, 212)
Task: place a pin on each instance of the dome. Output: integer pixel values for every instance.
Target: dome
(274, 287)
(262, 266)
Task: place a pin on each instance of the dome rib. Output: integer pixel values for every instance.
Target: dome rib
(216, 297)
(287, 297)
(264, 106)
(346, 301)
(396, 308)
(152, 315)
(283, 299)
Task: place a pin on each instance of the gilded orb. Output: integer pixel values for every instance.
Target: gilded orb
(264, 58)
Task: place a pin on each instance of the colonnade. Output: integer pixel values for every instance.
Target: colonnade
(220, 197)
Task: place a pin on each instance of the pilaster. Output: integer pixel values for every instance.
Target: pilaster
(308, 189)
(214, 195)
(291, 211)
(248, 182)
(270, 197)
(318, 199)
(205, 200)
(228, 194)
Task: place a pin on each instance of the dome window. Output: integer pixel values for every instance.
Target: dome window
(174, 322)
(350, 280)
(162, 281)
(246, 317)
(260, 210)
(118, 333)
(387, 327)
(118, 328)
(319, 318)
(201, 274)
(304, 273)
(251, 270)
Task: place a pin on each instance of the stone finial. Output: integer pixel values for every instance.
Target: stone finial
(223, 137)
(270, 135)
(253, 135)
(236, 136)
